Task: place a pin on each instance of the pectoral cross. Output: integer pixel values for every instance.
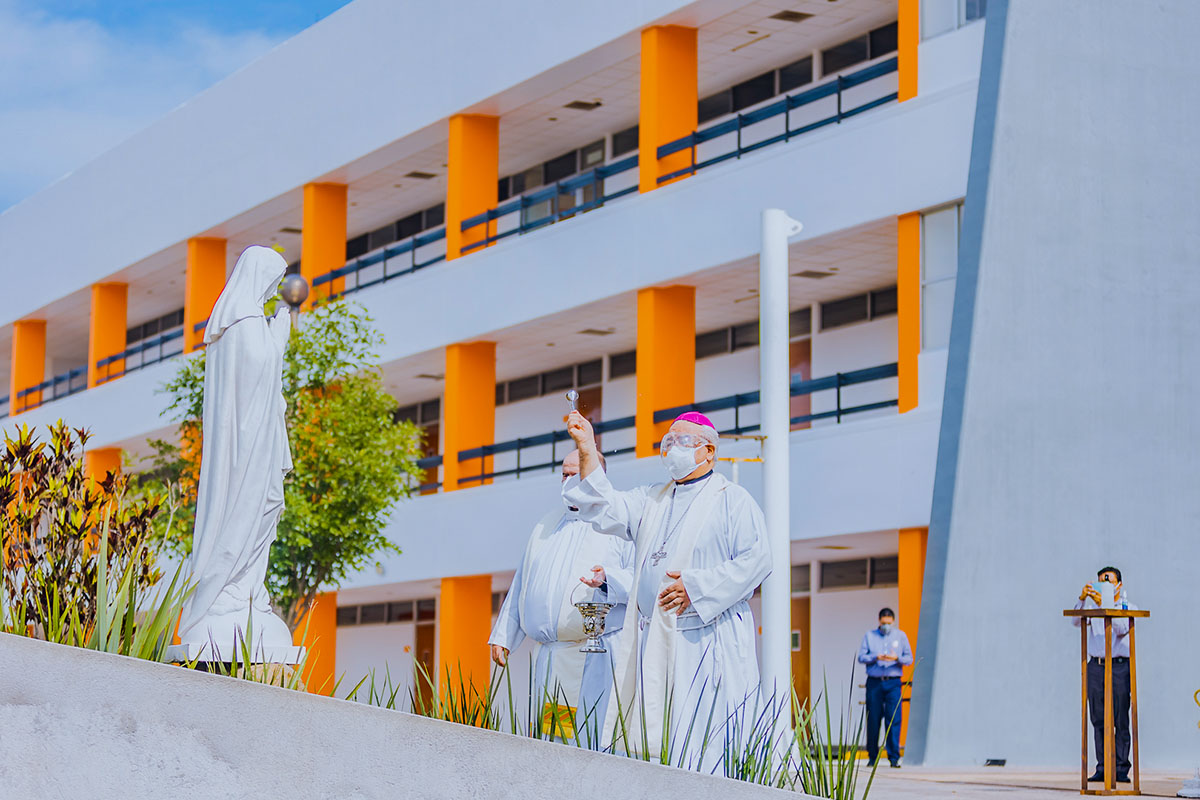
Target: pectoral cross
(657, 556)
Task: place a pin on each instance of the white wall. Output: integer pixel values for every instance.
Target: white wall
(851, 347)
(384, 648)
(839, 619)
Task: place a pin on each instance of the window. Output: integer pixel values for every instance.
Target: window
(524, 388)
(557, 380)
(401, 612)
(591, 372)
(426, 610)
(714, 106)
(622, 364)
(381, 236)
(410, 225)
(592, 155)
(347, 615)
(435, 216)
(796, 74)
(501, 393)
(939, 268)
(356, 247)
(529, 179)
(973, 10)
(152, 328)
(883, 40)
(801, 577)
(712, 343)
(836, 313)
(625, 141)
(844, 574)
(800, 322)
(745, 335)
(846, 54)
(885, 571)
(372, 614)
(564, 166)
(753, 91)
(883, 302)
(497, 601)
(431, 411)
(406, 414)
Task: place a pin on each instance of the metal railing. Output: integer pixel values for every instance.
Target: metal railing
(736, 402)
(129, 358)
(4, 409)
(552, 199)
(62, 385)
(355, 268)
(780, 108)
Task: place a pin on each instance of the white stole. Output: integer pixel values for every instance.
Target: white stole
(659, 657)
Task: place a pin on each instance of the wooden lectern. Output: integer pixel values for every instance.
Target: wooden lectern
(1108, 615)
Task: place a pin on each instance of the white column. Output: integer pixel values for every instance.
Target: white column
(775, 397)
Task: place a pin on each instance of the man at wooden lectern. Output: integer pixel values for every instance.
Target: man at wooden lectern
(1090, 598)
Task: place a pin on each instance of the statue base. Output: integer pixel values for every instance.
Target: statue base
(207, 654)
(1191, 787)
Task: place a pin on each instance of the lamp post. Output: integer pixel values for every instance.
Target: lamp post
(294, 291)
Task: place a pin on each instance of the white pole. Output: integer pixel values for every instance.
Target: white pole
(775, 398)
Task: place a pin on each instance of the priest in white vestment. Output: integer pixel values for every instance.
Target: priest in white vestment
(687, 654)
(565, 562)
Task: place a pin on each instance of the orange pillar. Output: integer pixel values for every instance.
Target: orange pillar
(666, 358)
(464, 622)
(317, 632)
(101, 461)
(471, 177)
(28, 365)
(912, 580)
(106, 335)
(468, 411)
(202, 286)
(323, 236)
(908, 35)
(668, 100)
(908, 300)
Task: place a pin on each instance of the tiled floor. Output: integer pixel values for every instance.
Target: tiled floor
(918, 782)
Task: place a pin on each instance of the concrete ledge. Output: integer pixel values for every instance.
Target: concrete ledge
(79, 724)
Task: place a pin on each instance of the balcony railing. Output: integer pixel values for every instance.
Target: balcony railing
(362, 270)
(4, 407)
(62, 385)
(142, 354)
(835, 383)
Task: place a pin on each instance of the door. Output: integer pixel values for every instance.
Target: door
(800, 363)
(423, 669)
(801, 647)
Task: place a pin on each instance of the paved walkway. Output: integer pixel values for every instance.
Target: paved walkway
(1000, 782)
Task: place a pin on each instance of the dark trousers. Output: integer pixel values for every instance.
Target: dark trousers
(1120, 693)
(883, 707)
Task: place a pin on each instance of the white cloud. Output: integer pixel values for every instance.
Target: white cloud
(71, 89)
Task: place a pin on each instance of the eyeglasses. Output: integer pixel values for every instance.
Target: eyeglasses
(688, 440)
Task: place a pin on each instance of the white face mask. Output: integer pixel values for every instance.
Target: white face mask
(680, 461)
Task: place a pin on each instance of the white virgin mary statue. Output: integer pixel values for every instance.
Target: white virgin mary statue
(244, 457)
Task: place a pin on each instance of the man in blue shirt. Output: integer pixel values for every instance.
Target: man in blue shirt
(886, 653)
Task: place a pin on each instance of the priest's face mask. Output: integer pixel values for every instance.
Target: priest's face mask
(685, 448)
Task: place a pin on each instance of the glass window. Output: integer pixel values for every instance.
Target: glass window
(883, 302)
(564, 166)
(938, 17)
(974, 9)
(431, 410)
(796, 74)
(557, 380)
(801, 577)
(937, 308)
(714, 106)
(846, 54)
(406, 414)
(426, 610)
(372, 613)
(836, 313)
(625, 141)
(381, 236)
(939, 241)
(712, 343)
(347, 615)
(500, 393)
(502, 193)
(883, 40)
(800, 322)
(592, 155)
(622, 364)
(435, 216)
(410, 225)
(524, 388)
(356, 247)
(841, 574)
(401, 612)
(591, 372)
(885, 571)
(755, 90)
(745, 336)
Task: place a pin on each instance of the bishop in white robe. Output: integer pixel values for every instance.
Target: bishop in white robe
(686, 659)
(566, 561)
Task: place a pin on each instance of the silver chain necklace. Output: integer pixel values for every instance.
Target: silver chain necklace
(661, 552)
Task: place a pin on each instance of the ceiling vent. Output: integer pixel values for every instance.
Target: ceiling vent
(429, 377)
(597, 331)
(424, 176)
(812, 273)
(289, 230)
(583, 105)
(791, 16)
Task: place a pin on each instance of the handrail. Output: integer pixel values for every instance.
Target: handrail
(50, 385)
(409, 245)
(141, 347)
(783, 106)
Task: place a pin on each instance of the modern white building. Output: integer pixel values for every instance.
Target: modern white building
(533, 197)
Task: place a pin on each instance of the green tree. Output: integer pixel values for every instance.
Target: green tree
(352, 461)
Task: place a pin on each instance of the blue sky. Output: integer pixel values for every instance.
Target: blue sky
(79, 76)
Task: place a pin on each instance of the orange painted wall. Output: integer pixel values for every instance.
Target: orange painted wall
(666, 358)
(912, 580)
(322, 236)
(317, 631)
(28, 365)
(468, 410)
(206, 265)
(908, 298)
(464, 622)
(668, 100)
(908, 35)
(101, 461)
(471, 178)
(106, 335)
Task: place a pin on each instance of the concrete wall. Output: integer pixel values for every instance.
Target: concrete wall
(1070, 428)
(79, 724)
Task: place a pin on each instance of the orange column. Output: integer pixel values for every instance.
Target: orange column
(106, 336)
(908, 300)
(668, 100)
(471, 178)
(912, 580)
(323, 236)
(317, 632)
(28, 365)
(908, 35)
(666, 358)
(101, 461)
(464, 622)
(468, 410)
(202, 286)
